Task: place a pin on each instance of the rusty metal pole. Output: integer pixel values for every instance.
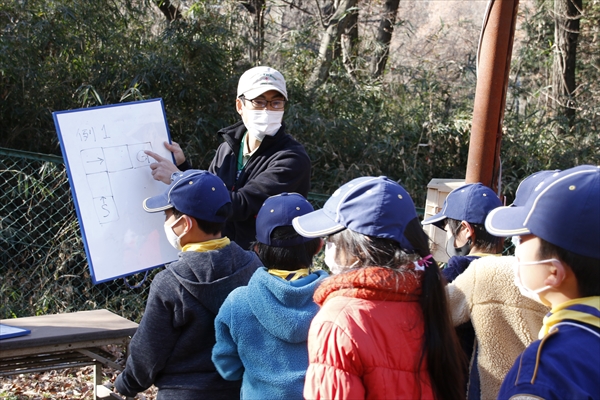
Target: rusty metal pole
(495, 51)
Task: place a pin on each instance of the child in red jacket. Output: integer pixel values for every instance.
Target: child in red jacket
(383, 330)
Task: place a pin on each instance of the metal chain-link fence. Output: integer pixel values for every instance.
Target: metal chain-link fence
(43, 267)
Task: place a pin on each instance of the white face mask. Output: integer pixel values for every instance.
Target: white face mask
(172, 237)
(334, 267)
(533, 294)
(261, 123)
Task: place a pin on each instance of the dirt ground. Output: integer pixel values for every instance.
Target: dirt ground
(72, 383)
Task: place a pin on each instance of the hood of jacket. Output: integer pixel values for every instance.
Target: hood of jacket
(372, 283)
(210, 276)
(285, 309)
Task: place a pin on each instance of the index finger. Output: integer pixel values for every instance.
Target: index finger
(157, 157)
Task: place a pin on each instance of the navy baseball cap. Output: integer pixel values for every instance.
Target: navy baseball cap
(532, 184)
(196, 193)
(372, 206)
(564, 211)
(471, 202)
(278, 211)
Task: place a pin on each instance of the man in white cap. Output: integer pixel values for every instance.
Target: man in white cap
(257, 159)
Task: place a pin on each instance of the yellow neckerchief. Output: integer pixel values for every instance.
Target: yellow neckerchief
(209, 245)
(484, 255)
(585, 309)
(289, 275)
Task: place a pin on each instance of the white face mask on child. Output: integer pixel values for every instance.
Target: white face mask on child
(334, 267)
(533, 294)
(172, 237)
(261, 123)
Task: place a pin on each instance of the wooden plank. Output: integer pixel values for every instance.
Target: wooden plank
(8, 352)
(88, 327)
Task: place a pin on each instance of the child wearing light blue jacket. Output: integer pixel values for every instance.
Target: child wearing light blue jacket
(262, 328)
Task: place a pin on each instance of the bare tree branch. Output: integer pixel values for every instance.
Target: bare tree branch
(169, 10)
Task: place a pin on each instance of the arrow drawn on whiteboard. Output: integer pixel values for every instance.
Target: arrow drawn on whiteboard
(100, 160)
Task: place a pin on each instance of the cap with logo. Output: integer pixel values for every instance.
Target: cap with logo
(471, 202)
(196, 193)
(372, 206)
(278, 211)
(564, 211)
(259, 80)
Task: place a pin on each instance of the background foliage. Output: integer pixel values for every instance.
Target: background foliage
(412, 124)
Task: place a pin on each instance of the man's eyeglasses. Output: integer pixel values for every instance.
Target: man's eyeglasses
(277, 104)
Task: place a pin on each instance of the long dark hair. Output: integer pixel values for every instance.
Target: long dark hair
(446, 362)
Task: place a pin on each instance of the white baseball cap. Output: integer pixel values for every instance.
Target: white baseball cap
(259, 80)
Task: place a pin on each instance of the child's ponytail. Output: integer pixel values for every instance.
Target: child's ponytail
(446, 362)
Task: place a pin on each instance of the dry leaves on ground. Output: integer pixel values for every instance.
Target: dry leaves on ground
(71, 383)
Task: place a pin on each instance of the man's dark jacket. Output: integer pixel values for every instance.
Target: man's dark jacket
(279, 165)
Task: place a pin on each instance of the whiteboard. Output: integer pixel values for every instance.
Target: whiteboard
(109, 174)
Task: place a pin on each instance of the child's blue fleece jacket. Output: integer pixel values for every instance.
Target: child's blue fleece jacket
(262, 332)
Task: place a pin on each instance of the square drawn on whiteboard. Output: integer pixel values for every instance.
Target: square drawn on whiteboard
(106, 210)
(138, 158)
(117, 158)
(93, 160)
(99, 185)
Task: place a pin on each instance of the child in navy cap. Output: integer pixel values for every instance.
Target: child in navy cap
(172, 346)
(383, 330)
(557, 232)
(463, 217)
(262, 328)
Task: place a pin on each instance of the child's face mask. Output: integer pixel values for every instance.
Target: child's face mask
(334, 267)
(451, 249)
(529, 270)
(463, 250)
(533, 294)
(172, 237)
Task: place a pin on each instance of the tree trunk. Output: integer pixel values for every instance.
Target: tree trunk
(168, 9)
(331, 37)
(567, 14)
(257, 41)
(349, 41)
(384, 37)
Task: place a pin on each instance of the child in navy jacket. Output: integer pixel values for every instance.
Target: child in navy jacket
(557, 232)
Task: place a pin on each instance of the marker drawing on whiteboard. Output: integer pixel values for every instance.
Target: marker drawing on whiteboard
(103, 129)
(105, 207)
(86, 134)
(100, 160)
(101, 164)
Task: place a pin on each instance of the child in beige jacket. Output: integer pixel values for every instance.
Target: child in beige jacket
(505, 321)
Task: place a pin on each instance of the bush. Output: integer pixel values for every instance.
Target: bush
(69, 54)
